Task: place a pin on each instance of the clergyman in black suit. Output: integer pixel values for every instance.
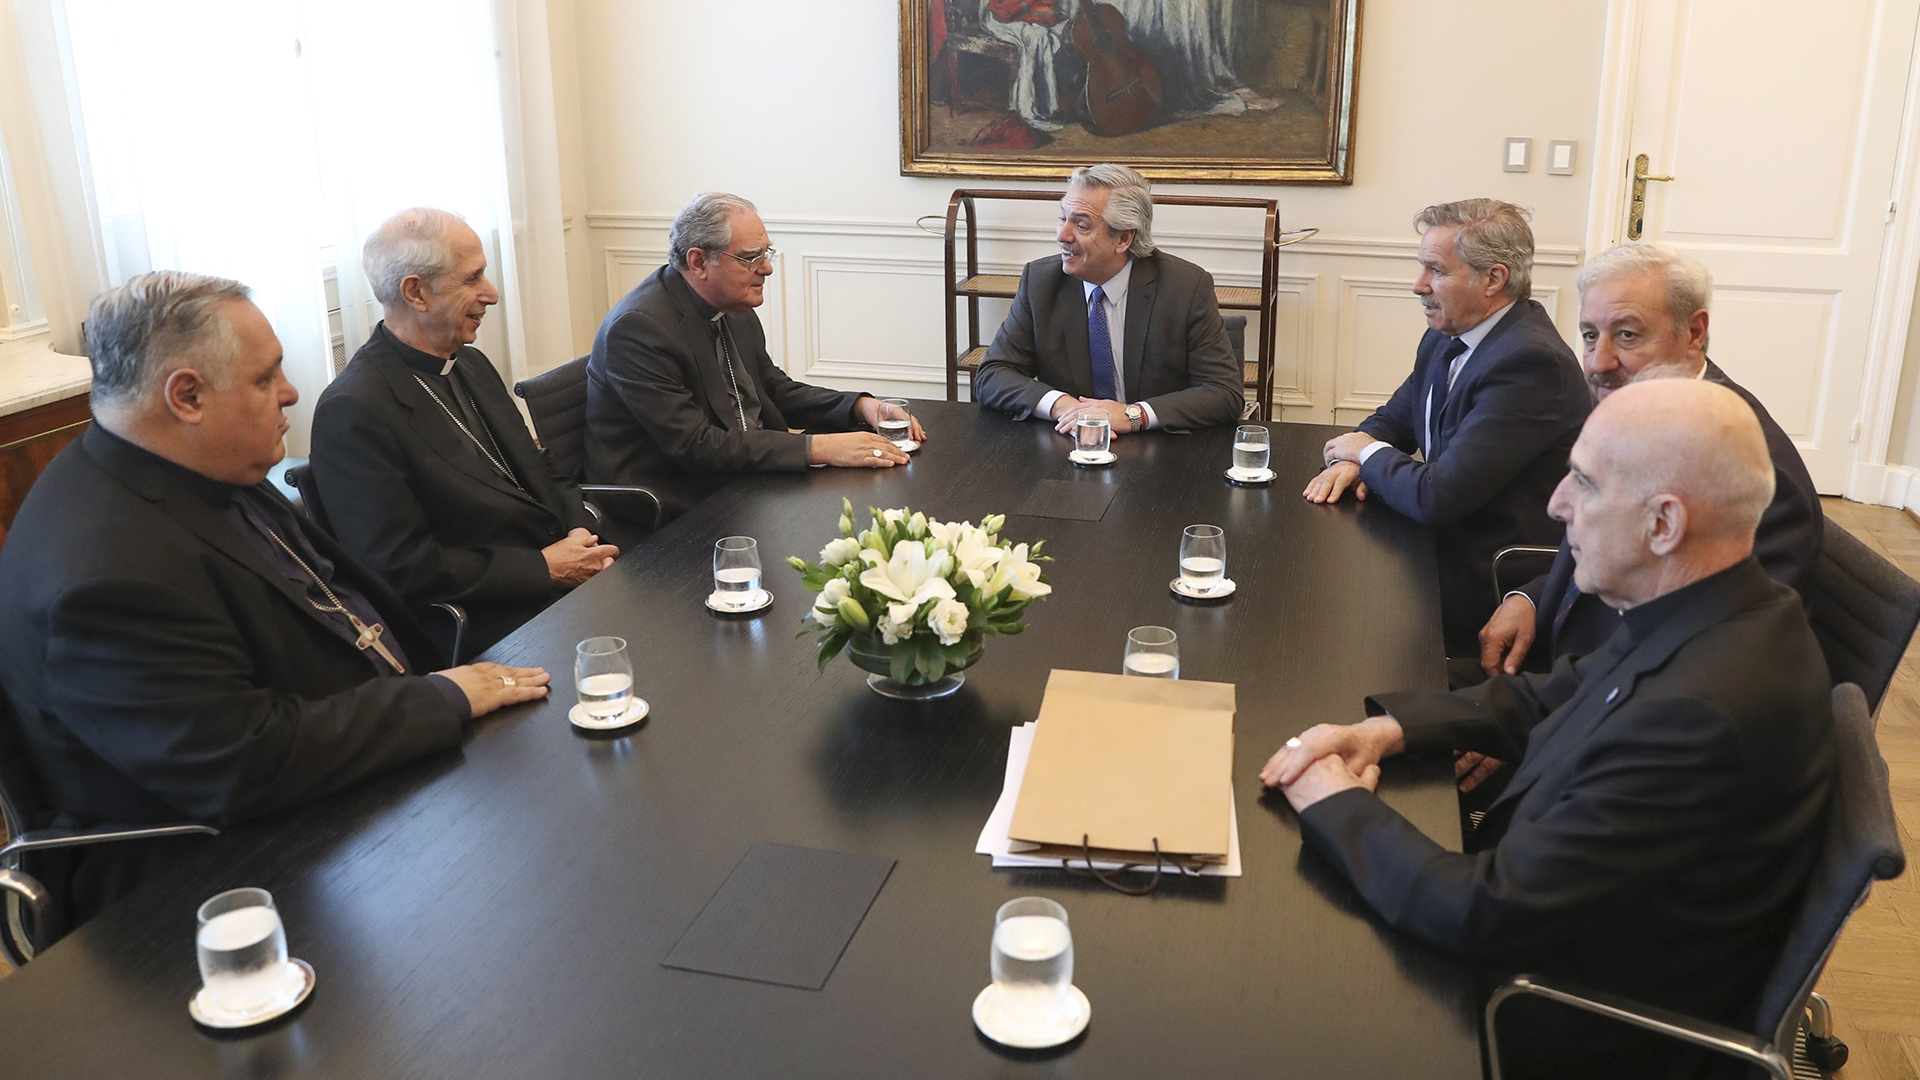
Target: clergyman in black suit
(1494, 403)
(681, 393)
(1671, 788)
(175, 642)
(1643, 314)
(1112, 326)
(425, 471)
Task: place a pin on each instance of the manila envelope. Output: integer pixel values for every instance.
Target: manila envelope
(1123, 761)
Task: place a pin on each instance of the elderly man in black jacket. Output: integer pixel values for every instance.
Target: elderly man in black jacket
(176, 643)
(1671, 788)
(1493, 403)
(425, 470)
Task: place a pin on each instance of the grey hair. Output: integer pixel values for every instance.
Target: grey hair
(1490, 233)
(1689, 285)
(705, 223)
(1130, 206)
(411, 243)
(133, 329)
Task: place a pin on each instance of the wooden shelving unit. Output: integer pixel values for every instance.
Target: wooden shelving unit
(972, 286)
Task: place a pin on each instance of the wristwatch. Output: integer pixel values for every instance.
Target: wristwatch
(1137, 416)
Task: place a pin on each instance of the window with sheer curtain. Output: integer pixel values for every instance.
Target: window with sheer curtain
(263, 139)
(21, 316)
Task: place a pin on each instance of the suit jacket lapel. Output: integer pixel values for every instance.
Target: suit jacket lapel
(1140, 292)
(1073, 323)
(1446, 419)
(431, 424)
(522, 457)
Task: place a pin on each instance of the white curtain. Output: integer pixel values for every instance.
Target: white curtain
(263, 139)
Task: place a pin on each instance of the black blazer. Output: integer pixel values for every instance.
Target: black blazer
(162, 670)
(1501, 439)
(411, 496)
(1787, 543)
(1657, 834)
(656, 395)
(1178, 359)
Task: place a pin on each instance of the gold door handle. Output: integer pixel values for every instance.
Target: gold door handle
(1637, 208)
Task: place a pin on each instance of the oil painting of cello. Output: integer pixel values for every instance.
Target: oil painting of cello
(1202, 90)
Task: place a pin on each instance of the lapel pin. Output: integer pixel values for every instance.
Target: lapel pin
(1613, 693)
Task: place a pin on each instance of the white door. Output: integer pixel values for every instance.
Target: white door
(1779, 122)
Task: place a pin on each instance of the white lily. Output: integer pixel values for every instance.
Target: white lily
(911, 576)
(947, 534)
(978, 557)
(1024, 575)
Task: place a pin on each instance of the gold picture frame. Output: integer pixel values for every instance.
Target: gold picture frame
(1200, 91)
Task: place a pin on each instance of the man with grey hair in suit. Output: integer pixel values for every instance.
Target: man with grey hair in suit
(681, 393)
(1112, 326)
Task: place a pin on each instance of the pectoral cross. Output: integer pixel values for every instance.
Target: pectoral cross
(369, 638)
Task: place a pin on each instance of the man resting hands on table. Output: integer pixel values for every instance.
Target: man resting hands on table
(1671, 787)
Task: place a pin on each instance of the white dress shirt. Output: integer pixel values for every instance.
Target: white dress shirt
(1115, 291)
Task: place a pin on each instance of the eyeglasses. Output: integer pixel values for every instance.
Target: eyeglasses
(753, 258)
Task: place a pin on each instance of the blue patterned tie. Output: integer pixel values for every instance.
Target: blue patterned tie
(1100, 344)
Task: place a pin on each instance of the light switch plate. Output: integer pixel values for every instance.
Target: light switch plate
(1518, 156)
(1560, 157)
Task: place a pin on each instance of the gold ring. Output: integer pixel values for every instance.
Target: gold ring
(507, 680)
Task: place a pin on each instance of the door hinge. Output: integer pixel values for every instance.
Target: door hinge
(1893, 207)
(1855, 436)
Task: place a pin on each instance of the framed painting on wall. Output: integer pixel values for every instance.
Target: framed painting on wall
(1244, 91)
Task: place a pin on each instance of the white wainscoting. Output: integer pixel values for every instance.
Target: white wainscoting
(856, 304)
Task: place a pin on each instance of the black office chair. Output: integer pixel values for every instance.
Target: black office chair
(1862, 845)
(557, 402)
(1517, 564)
(1863, 610)
(300, 476)
(23, 807)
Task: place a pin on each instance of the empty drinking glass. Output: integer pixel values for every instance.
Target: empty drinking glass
(736, 572)
(1152, 651)
(242, 949)
(603, 676)
(1032, 959)
(1203, 558)
(1092, 435)
(897, 431)
(1251, 448)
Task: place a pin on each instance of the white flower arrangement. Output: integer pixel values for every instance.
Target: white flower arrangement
(928, 591)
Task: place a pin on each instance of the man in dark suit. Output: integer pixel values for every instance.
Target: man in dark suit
(1672, 787)
(681, 392)
(1493, 404)
(175, 643)
(1112, 326)
(424, 469)
(1643, 314)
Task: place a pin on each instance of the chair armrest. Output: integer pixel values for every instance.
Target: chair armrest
(459, 616)
(48, 839)
(1716, 1037)
(29, 889)
(637, 505)
(1523, 555)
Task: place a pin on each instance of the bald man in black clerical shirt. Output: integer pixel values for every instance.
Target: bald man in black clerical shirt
(176, 644)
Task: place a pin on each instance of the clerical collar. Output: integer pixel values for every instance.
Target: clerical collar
(1643, 619)
(216, 493)
(424, 362)
(707, 312)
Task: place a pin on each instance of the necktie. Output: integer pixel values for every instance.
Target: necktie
(1437, 394)
(1100, 346)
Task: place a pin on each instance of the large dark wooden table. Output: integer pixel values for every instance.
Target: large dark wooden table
(502, 912)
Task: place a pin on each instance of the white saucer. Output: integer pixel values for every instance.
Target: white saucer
(996, 1026)
(1219, 592)
(636, 711)
(761, 598)
(1264, 476)
(909, 446)
(300, 981)
(1088, 461)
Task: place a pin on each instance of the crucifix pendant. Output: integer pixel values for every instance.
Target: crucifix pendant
(370, 639)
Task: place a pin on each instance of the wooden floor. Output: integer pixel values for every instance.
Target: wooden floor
(1873, 980)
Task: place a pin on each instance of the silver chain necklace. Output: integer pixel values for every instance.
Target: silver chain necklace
(366, 637)
(726, 351)
(493, 456)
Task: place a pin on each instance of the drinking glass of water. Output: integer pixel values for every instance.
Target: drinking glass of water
(899, 431)
(603, 676)
(1152, 651)
(1032, 959)
(1203, 558)
(1092, 435)
(243, 951)
(1251, 448)
(736, 571)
